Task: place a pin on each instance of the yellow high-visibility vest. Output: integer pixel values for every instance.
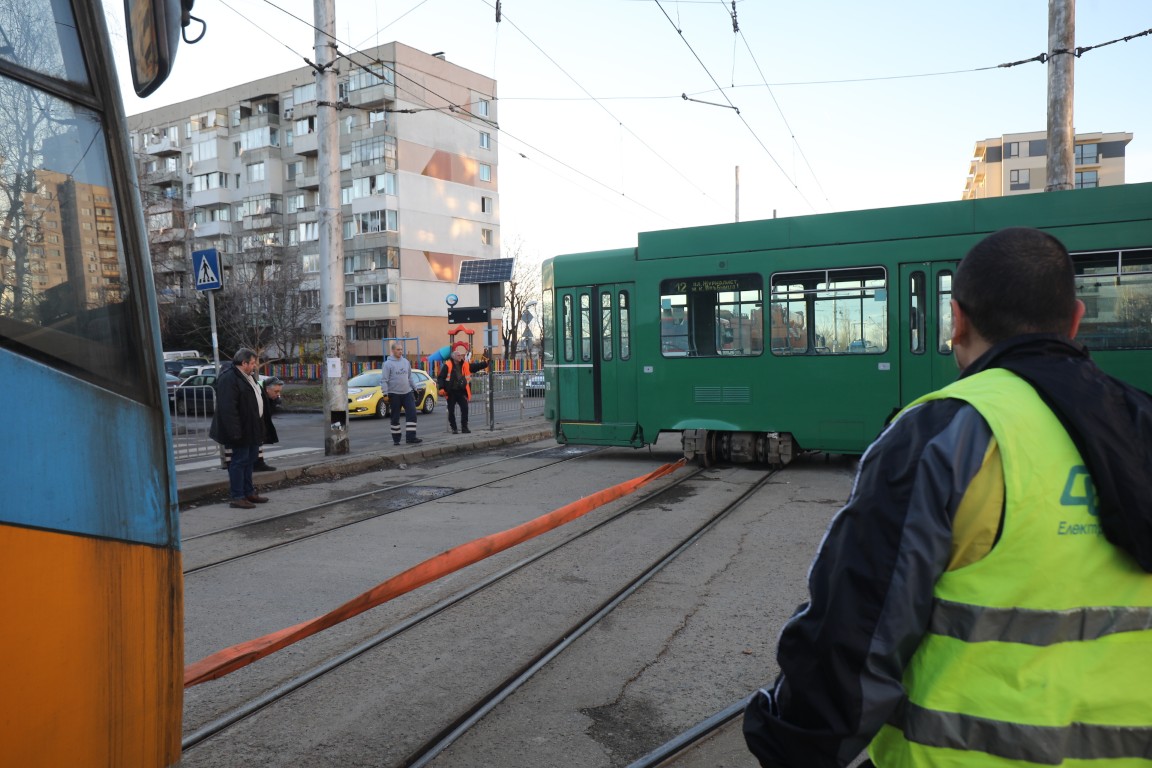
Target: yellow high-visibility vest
(1040, 653)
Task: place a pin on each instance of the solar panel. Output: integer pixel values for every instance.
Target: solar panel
(486, 271)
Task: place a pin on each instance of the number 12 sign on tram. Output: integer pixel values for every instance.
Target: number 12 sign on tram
(206, 267)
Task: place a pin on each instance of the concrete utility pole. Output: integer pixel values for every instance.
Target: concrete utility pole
(1061, 60)
(331, 237)
(737, 193)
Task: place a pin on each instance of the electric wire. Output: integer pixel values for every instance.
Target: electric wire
(620, 122)
(450, 106)
(763, 146)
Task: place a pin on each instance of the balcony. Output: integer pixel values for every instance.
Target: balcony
(160, 145)
(373, 96)
(210, 198)
(306, 144)
(167, 235)
(264, 221)
(212, 229)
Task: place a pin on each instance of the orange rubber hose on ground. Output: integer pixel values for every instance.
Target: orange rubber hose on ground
(241, 655)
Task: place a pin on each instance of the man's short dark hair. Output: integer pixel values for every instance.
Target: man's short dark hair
(242, 356)
(1016, 281)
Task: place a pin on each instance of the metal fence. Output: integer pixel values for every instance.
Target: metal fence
(497, 398)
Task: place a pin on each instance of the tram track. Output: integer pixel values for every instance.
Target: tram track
(284, 518)
(561, 640)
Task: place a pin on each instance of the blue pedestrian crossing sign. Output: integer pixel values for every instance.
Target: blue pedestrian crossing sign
(206, 267)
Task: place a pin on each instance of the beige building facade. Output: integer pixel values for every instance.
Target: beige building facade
(1016, 163)
(237, 170)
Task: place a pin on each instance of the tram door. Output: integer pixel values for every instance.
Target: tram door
(577, 371)
(926, 359)
(617, 367)
(595, 372)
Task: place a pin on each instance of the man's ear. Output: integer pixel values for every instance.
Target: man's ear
(961, 325)
(1077, 316)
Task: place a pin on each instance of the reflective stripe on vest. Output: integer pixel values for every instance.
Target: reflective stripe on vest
(1041, 652)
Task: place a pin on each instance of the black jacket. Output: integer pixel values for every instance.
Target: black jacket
(270, 435)
(237, 418)
(842, 656)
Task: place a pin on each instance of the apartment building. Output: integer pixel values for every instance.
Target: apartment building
(237, 170)
(1017, 163)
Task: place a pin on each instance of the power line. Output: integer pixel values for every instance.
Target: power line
(733, 106)
(599, 104)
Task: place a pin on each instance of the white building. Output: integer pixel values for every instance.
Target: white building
(237, 170)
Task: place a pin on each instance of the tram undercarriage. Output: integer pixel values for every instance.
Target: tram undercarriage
(715, 447)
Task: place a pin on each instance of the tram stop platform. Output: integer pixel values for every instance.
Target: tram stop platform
(207, 481)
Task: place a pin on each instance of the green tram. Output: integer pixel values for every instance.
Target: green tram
(760, 339)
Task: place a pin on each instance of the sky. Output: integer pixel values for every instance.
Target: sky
(625, 116)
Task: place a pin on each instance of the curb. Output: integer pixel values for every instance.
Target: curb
(331, 468)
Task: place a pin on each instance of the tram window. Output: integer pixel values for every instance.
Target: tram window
(944, 302)
(830, 312)
(585, 328)
(547, 341)
(625, 335)
(605, 326)
(916, 313)
(1116, 288)
(57, 303)
(569, 335)
(44, 38)
(712, 316)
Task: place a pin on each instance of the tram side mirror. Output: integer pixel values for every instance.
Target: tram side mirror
(153, 36)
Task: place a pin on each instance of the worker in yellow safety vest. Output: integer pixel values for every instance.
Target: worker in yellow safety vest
(985, 596)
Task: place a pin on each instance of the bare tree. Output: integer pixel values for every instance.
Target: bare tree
(522, 295)
(262, 307)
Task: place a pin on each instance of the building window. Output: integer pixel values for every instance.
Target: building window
(1087, 179)
(485, 205)
(1087, 154)
(485, 140)
(485, 172)
(308, 230)
(1012, 149)
(255, 172)
(1019, 179)
(486, 236)
(482, 107)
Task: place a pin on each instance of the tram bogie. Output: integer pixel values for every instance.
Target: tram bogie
(757, 340)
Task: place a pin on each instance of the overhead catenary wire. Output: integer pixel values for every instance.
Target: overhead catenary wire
(763, 146)
(450, 106)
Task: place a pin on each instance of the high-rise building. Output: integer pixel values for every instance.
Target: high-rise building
(237, 170)
(1017, 163)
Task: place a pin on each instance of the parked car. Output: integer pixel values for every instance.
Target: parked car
(196, 395)
(192, 369)
(171, 382)
(175, 366)
(367, 398)
(534, 385)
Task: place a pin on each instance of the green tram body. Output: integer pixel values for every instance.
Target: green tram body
(763, 338)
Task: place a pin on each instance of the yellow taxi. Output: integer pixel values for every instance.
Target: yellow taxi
(367, 398)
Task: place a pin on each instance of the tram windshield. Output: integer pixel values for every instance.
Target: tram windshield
(66, 285)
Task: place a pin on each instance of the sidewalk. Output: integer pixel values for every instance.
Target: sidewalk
(204, 480)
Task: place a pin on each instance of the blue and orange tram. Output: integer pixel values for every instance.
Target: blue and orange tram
(760, 339)
(90, 569)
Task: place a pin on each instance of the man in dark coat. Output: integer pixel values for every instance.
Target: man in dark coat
(271, 387)
(238, 423)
